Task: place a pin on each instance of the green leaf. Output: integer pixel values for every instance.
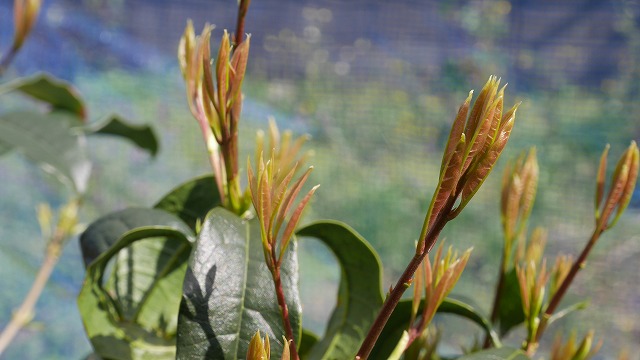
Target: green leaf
(192, 200)
(228, 292)
(568, 310)
(133, 316)
(48, 140)
(58, 93)
(307, 341)
(510, 312)
(142, 136)
(359, 296)
(103, 233)
(503, 353)
(399, 322)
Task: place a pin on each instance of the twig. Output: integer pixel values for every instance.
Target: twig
(243, 7)
(24, 314)
(282, 303)
(557, 297)
(401, 286)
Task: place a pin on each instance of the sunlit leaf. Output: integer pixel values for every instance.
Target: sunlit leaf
(228, 292)
(133, 314)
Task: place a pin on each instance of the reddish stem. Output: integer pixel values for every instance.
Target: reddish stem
(577, 265)
(285, 313)
(401, 286)
(242, 12)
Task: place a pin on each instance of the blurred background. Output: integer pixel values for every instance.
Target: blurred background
(376, 84)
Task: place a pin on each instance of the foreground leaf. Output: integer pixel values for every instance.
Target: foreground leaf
(105, 232)
(504, 353)
(48, 140)
(228, 293)
(192, 200)
(142, 136)
(133, 316)
(44, 87)
(359, 296)
(399, 322)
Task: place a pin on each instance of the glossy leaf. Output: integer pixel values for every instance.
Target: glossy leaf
(504, 353)
(133, 314)
(48, 140)
(103, 233)
(142, 136)
(359, 296)
(399, 322)
(44, 87)
(228, 293)
(192, 200)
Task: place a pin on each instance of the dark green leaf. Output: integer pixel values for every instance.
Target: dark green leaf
(359, 296)
(510, 312)
(134, 315)
(58, 93)
(307, 341)
(503, 353)
(192, 200)
(103, 233)
(48, 140)
(399, 322)
(142, 136)
(228, 293)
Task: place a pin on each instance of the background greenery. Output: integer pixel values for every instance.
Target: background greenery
(376, 84)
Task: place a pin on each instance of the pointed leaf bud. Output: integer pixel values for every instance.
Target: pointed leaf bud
(25, 13)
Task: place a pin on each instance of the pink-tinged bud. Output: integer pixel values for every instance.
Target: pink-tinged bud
(623, 182)
(25, 13)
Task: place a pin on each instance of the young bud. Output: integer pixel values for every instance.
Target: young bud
(623, 182)
(273, 195)
(439, 279)
(25, 13)
(572, 351)
(559, 272)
